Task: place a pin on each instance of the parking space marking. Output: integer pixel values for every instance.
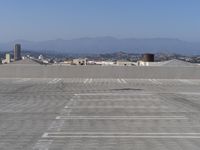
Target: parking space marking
(90, 80)
(54, 81)
(122, 117)
(85, 81)
(23, 80)
(184, 81)
(56, 125)
(123, 81)
(113, 94)
(154, 81)
(124, 107)
(119, 81)
(189, 93)
(120, 135)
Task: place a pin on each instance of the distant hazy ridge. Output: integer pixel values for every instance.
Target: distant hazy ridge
(108, 44)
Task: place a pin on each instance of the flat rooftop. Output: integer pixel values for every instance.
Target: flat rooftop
(102, 113)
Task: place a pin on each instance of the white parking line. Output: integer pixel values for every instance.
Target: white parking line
(155, 81)
(90, 81)
(188, 93)
(124, 107)
(27, 79)
(122, 117)
(58, 80)
(54, 81)
(118, 80)
(121, 81)
(85, 81)
(124, 81)
(118, 100)
(185, 81)
(115, 94)
(23, 80)
(120, 135)
(56, 125)
(137, 136)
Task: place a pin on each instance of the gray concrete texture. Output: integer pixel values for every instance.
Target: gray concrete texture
(86, 113)
(39, 71)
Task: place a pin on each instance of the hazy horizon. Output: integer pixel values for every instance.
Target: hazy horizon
(70, 19)
(108, 44)
(91, 37)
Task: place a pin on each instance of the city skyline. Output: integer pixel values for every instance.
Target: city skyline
(67, 19)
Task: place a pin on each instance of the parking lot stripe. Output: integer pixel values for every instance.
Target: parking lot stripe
(120, 135)
(122, 117)
(120, 94)
(85, 81)
(123, 81)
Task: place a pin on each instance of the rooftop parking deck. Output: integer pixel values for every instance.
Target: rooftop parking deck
(99, 113)
(109, 108)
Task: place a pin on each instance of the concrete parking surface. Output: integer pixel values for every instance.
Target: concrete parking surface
(92, 113)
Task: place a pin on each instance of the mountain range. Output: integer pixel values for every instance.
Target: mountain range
(108, 45)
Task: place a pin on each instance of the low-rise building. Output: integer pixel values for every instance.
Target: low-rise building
(105, 63)
(171, 63)
(66, 62)
(8, 58)
(79, 61)
(40, 57)
(143, 63)
(91, 62)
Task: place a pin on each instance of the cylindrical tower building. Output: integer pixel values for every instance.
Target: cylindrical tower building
(148, 57)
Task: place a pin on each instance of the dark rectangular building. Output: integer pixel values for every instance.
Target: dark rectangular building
(17, 52)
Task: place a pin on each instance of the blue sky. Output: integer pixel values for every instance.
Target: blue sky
(51, 19)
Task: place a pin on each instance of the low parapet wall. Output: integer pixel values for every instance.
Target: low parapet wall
(36, 71)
